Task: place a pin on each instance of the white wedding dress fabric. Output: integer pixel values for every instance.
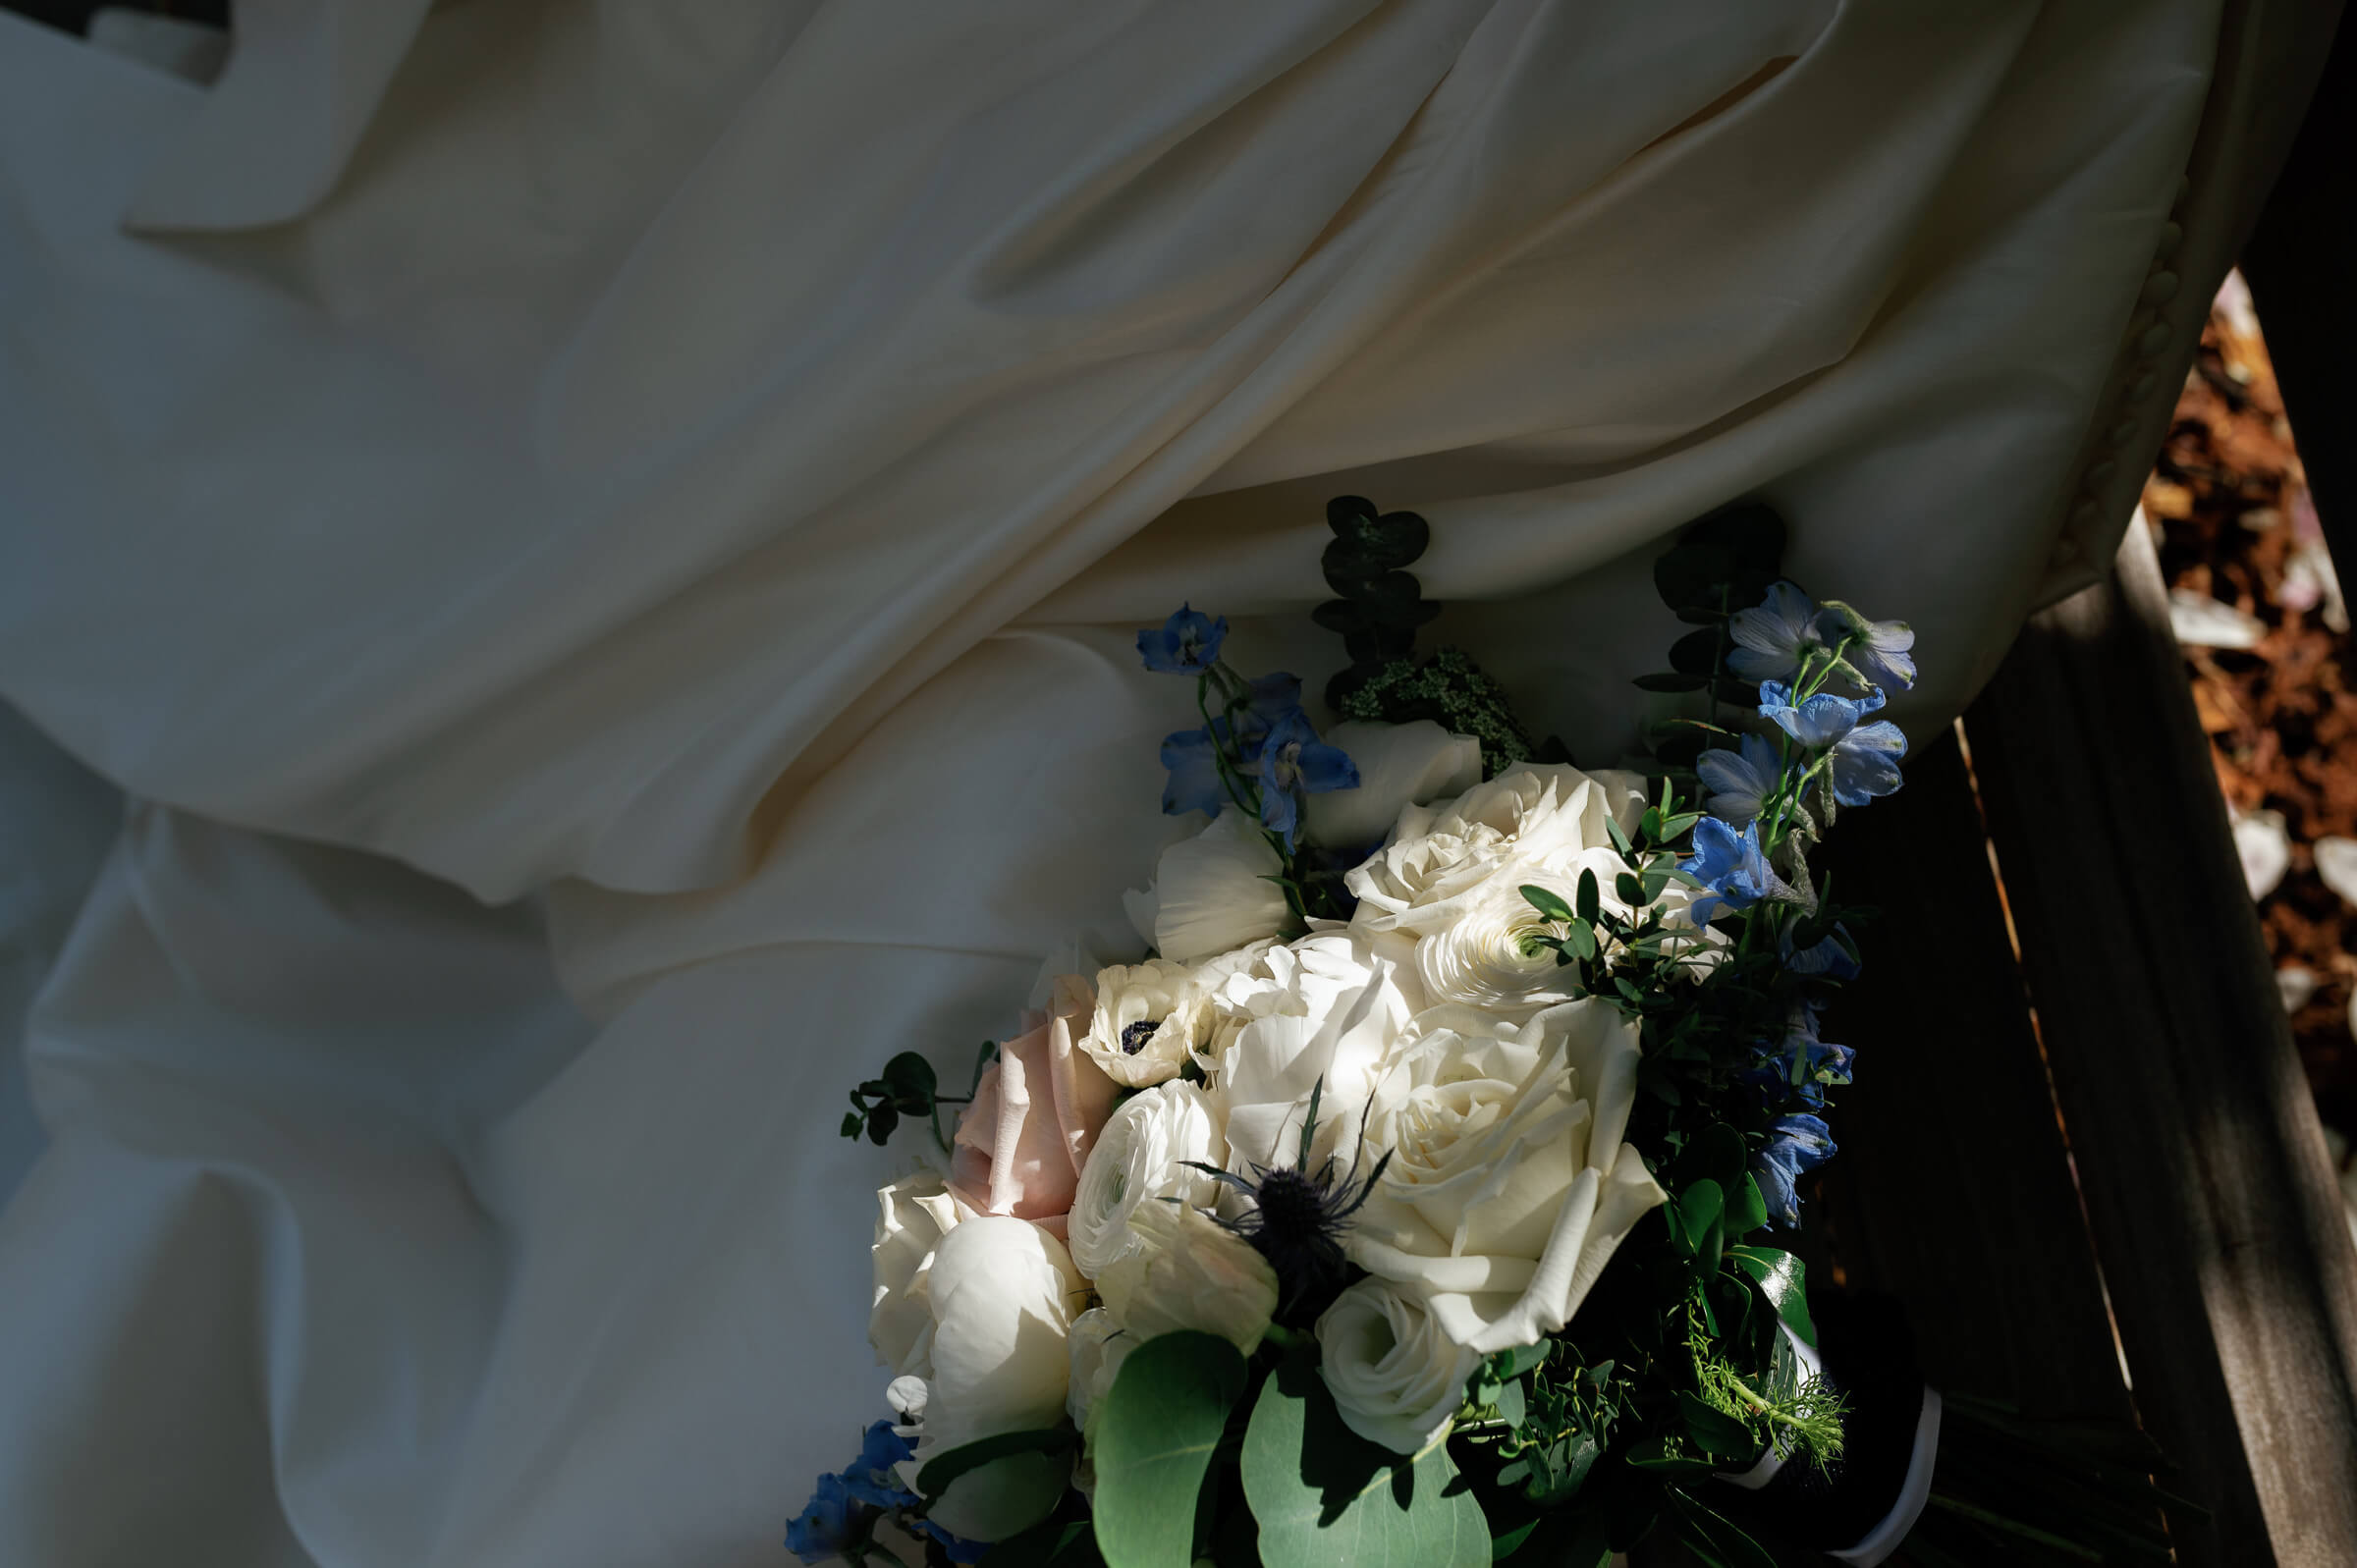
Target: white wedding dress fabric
(568, 583)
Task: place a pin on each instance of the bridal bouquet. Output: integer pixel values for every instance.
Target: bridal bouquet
(1414, 1200)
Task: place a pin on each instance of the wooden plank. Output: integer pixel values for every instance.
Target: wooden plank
(1953, 1190)
(2233, 1278)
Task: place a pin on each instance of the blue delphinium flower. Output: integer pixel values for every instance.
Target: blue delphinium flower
(1881, 652)
(1733, 871)
(1798, 1069)
(1819, 721)
(1796, 1145)
(1865, 762)
(1192, 757)
(1293, 762)
(1739, 781)
(1833, 957)
(1183, 646)
(871, 1478)
(825, 1525)
(1774, 638)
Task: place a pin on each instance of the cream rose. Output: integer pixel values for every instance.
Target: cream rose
(912, 1215)
(1324, 1010)
(1211, 893)
(1003, 1293)
(1441, 853)
(1139, 1159)
(1149, 1018)
(1399, 765)
(1190, 1272)
(1510, 1184)
(1022, 1143)
(1395, 1378)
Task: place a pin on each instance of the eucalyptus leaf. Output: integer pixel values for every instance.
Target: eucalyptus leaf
(1668, 681)
(908, 1077)
(1325, 1497)
(1152, 1442)
(946, 1465)
(1050, 1544)
(1698, 652)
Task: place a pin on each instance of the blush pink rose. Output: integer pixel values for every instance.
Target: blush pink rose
(1035, 1116)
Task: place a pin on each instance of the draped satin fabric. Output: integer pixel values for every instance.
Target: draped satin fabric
(599, 546)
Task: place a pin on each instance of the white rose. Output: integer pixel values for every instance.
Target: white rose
(1099, 1347)
(1399, 765)
(1149, 1018)
(1510, 1184)
(1324, 1010)
(1137, 1161)
(1004, 1293)
(912, 1215)
(1211, 893)
(1227, 1015)
(1191, 1273)
(1395, 1378)
(1440, 853)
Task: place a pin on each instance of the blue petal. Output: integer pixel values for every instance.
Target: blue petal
(1194, 783)
(1185, 644)
(1275, 696)
(1324, 767)
(1279, 813)
(824, 1525)
(1769, 636)
(1859, 776)
(1737, 784)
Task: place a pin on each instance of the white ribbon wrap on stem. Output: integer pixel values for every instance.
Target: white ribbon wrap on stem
(1883, 1538)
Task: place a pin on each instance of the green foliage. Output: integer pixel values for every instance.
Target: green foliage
(946, 1465)
(1153, 1442)
(909, 1087)
(1448, 688)
(1324, 1497)
(1778, 1276)
(1380, 605)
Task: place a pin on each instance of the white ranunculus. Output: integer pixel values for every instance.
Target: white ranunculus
(912, 1215)
(1395, 1378)
(1399, 765)
(1190, 1273)
(1324, 1010)
(1149, 1018)
(1211, 892)
(1442, 853)
(1004, 1293)
(1479, 953)
(1138, 1159)
(1510, 1183)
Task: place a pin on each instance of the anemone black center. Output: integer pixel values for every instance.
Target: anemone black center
(1136, 1036)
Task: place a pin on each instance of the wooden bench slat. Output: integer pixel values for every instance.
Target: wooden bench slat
(2220, 1230)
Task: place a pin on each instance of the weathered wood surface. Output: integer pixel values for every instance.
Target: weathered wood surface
(1953, 1189)
(2231, 1275)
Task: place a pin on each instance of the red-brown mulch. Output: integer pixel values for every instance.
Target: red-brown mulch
(2230, 504)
